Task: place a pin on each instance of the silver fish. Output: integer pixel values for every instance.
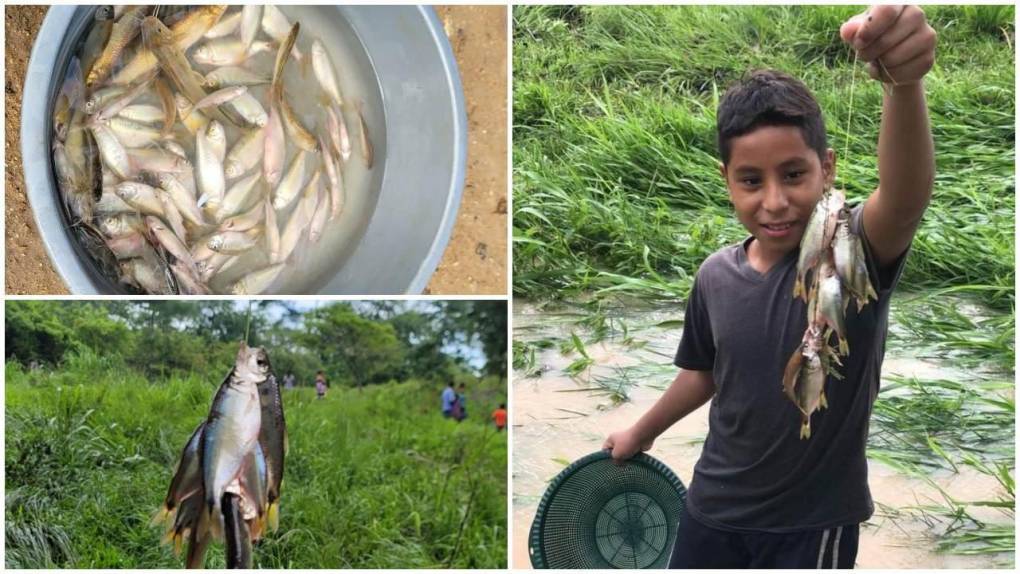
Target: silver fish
(245, 154)
(257, 282)
(291, 183)
(325, 72)
(140, 196)
(233, 426)
(225, 27)
(211, 180)
(234, 242)
(112, 151)
(273, 438)
(220, 96)
(851, 265)
(240, 195)
(233, 76)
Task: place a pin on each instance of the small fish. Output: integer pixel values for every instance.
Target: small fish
(250, 110)
(218, 97)
(245, 154)
(99, 36)
(157, 160)
(172, 215)
(122, 101)
(275, 148)
(277, 27)
(244, 221)
(104, 13)
(128, 246)
(175, 148)
(143, 113)
(338, 133)
(211, 180)
(272, 232)
(812, 245)
(299, 219)
(367, 151)
(123, 31)
(110, 204)
(319, 218)
(240, 195)
(292, 125)
(257, 282)
(132, 134)
(233, 426)
(336, 184)
(187, 480)
(140, 196)
(225, 27)
(291, 183)
(804, 383)
(76, 199)
(147, 275)
(234, 242)
(185, 33)
(121, 224)
(101, 98)
(233, 76)
(193, 122)
(188, 280)
(851, 265)
(227, 52)
(251, 16)
(217, 139)
(829, 309)
(325, 73)
(208, 267)
(112, 151)
(273, 438)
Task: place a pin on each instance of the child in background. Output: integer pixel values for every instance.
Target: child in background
(320, 384)
(499, 417)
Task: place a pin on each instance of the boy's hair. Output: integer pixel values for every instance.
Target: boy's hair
(769, 98)
(502, 405)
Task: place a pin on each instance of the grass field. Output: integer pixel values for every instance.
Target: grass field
(374, 478)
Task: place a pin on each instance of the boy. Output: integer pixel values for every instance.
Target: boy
(499, 417)
(762, 497)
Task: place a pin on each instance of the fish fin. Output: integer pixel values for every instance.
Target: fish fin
(822, 403)
(204, 199)
(160, 516)
(273, 516)
(844, 347)
(805, 429)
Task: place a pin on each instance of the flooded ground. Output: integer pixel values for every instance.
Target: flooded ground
(558, 419)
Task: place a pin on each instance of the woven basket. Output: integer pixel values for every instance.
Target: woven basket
(597, 514)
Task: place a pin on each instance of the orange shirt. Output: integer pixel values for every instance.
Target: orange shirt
(499, 417)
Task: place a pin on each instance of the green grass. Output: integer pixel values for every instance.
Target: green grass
(616, 186)
(374, 478)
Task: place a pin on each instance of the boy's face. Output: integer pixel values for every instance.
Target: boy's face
(775, 179)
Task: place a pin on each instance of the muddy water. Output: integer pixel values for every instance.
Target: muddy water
(557, 421)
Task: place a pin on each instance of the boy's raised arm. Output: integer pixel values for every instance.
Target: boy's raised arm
(899, 45)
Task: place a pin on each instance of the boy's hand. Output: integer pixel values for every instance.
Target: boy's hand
(897, 36)
(625, 444)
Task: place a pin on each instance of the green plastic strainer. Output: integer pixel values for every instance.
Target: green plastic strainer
(597, 514)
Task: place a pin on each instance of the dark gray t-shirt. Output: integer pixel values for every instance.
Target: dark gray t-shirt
(755, 472)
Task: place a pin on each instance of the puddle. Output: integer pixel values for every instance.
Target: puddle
(556, 421)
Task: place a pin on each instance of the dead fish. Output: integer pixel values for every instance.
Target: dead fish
(234, 242)
(367, 151)
(211, 180)
(121, 34)
(99, 36)
(193, 122)
(233, 426)
(122, 101)
(140, 196)
(804, 383)
(257, 282)
(155, 159)
(187, 479)
(240, 195)
(186, 32)
(218, 97)
(273, 438)
(851, 265)
(812, 245)
(245, 221)
(233, 76)
(291, 183)
(250, 110)
(245, 154)
(299, 219)
(227, 52)
(325, 72)
(225, 27)
(830, 304)
(101, 98)
(275, 148)
(251, 16)
(272, 232)
(172, 215)
(277, 27)
(147, 275)
(143, 113)
(336, 190)
(182, 198)
(188, 280)
(318, 223)
(113, 153)
(169, 240)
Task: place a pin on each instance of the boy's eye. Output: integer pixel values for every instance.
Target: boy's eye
(751, 181)
(796, 174)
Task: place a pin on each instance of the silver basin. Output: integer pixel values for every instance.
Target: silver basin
(416, 183)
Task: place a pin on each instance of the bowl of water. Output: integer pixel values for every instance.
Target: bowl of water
(395, 67)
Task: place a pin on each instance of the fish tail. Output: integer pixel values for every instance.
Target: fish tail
(160, 516)
(805, 429)
(798, 287)
(273, 516)
(870, 292)
(844, 347)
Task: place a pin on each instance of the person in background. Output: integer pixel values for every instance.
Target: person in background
(449, 397)
(321, 384)
(460, 409)
(499, 417)
(288, 380)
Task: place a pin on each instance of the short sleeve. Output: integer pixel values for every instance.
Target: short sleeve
(697, 346)
(883, 279)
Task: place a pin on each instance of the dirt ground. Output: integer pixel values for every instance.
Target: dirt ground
(475, 261)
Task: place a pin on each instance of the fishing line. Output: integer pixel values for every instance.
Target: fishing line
(247, 323)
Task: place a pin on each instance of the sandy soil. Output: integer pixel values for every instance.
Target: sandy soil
(475, 261)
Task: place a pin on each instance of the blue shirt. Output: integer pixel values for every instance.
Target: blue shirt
(448, 397)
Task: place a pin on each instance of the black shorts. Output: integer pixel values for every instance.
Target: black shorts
(700, 546)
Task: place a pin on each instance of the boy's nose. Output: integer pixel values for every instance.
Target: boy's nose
(775, 198)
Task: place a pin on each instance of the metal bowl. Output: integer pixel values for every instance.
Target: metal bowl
(416, 183)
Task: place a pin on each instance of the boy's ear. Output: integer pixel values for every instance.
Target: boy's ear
(722, 171)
